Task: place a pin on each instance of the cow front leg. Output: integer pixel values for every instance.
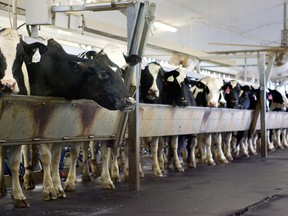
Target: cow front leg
(48, 193)
(174, 147)
(3, 189)
(270, 141)
(208, 141)
(228, 141)
(107, 182)
(161, 154)
(191, 144)
(284, 138)
(85, 157)
(277, 138)
(56, 154)
(220, 154)
(95, 171)
(20, 200)
(115, 175)
(71, 177)
(28, 182)
(155, 167)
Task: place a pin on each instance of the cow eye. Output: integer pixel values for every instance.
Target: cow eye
(103, 75)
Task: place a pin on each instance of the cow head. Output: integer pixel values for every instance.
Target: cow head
(9, 62)
(151, 82)
(208, 92)
(56, 73)
(176, 89)
(231, 93)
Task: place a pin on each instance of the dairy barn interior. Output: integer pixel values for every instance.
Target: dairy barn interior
(139, 161)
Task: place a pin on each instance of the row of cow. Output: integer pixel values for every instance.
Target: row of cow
(50, 71)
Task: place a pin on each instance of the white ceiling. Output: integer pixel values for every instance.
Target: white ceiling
(199, 22)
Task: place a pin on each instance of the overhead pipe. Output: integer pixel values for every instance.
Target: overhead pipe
(97, 6)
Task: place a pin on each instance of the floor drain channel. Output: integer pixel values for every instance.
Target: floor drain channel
(246, 209)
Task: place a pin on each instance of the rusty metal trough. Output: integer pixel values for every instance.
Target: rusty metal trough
(31, 119)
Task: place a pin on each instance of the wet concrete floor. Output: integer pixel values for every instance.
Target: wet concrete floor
(247, 186)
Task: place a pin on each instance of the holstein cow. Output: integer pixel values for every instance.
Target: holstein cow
(8, 51)
(118, 60)
(279, 102)
(176, 92)
(53, 72)
(151, 84)
(10, 62)
(208, 92)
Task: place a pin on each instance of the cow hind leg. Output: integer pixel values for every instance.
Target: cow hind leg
(20, 200)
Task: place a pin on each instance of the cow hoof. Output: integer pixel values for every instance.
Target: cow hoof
(3, 191)
(61, 193)
(108, 186)
(28, 183)
(223, 160)
(116, 179)
(229, 157)
(179, 169)
(211, 162)
(21, 203)
(157, 173)
(192, 165)
(86, 177)
(49, 195)
(69, 186)
(142, 175)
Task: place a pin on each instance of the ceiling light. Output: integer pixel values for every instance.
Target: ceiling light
(164, 26)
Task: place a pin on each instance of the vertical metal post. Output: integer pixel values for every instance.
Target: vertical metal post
(139, 16)
(14, 13)
(34, 31)
(262, 78)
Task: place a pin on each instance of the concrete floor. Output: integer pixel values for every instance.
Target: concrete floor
(247, 186)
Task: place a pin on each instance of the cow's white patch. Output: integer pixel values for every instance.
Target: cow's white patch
(182, 75)
(8, 44)
(115, 54)
(36, 57)
(233, 83)
(170, 79)
(154, 70)
(113, 68)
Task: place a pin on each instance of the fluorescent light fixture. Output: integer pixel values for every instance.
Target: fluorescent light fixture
(164, 26)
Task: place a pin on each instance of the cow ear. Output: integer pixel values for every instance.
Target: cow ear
(74, 65)
(133, 59)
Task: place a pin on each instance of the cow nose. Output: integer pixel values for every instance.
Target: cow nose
(129, 104)
(153, 92)
(9, 86)
(183, 102)
(213, 104)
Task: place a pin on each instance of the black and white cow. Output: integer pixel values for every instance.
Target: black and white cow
(278, 102)
(11, 62)
(208, 92)
(151, 85)
(117, 59)
(53, 72)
